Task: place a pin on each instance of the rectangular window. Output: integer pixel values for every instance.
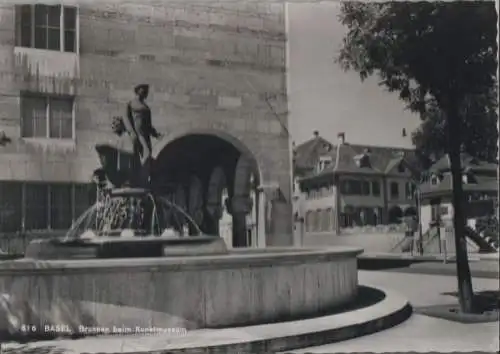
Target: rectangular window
(394, 190)
(60, 206)
(380, 216)
(85, 196)
(308, 221)
(409, 190)
(344, 187)
(46, 206)
(331, 219)
(37, 204)
(49, 27)
(317, 221)
(46, 116)
(355, 187)
(365, 188)
(375, 188)
(10, 206)
(325, 220)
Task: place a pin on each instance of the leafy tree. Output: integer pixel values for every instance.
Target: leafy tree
(434, 54)
(480, 133)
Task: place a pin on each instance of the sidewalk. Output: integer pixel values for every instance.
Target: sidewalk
(482, 269)
(421, 333)
(481, 266)
(473, 257)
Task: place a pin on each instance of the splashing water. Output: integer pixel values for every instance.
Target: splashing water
(132, 214)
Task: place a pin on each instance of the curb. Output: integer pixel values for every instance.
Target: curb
(269, 338)
(390, 312)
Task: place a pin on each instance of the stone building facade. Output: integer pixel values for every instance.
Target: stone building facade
(217, 76)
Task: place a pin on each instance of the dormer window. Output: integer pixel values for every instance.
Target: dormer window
(324, 162)
(468, 178)
(362, 161)
(401, 168)
(434, 180)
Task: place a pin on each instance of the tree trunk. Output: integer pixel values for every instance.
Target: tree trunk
(459, 220)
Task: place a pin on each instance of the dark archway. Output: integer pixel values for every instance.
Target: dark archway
(202, 166)
(395, 215)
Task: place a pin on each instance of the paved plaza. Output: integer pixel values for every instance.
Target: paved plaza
(421, 333)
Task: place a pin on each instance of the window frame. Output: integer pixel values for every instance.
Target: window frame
(48, 116)
(409, 190)
(391, 190)
(55, 205)
(365, 188)
(11, 202)
(27, 212)
(375, 191)
(62, 28)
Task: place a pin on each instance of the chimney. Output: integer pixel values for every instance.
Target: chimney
(316, 133)
(341, 137)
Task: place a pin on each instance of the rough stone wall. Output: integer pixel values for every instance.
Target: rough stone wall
(211, 66)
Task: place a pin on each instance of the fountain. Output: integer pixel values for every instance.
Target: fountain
(130, 218)
(129, 222)
(135, 259)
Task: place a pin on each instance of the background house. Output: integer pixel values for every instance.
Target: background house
(346, 186)
(372, 195)
(480, 185)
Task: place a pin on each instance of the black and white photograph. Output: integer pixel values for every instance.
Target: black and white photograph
(249, 176)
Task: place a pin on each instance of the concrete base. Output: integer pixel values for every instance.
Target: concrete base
(120, 247)
(268, 338)
(244, 287)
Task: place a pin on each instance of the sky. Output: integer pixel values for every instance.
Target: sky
(325, 98)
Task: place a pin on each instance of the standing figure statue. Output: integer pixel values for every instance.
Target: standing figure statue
(139, 125)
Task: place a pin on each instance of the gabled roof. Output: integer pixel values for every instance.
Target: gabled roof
(468, 163)
(484, 174)
(307, 153)
(483, 184)
(410, 163)
(382, 160)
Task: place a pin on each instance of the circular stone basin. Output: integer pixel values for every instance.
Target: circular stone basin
(243, 287)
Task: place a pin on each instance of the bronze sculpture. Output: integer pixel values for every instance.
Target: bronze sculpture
(139, 126)
(123, 168)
